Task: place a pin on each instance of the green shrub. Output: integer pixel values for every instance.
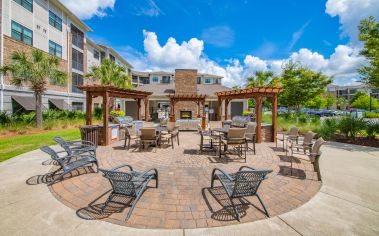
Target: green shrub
(371, 115)
(4, 118)
(351, 126)
(248, 113)
(118, 113)
(372, 128)
(303, 118)
(98, 113)
(328, 128)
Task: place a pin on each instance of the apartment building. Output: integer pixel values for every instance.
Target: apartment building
(162, 84)
(348, 91)
(49, 26)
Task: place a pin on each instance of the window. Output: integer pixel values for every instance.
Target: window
(55, 21)
(77, 106)
(77, 60)
(165, 79)
(22, 33)
(217, 81)
(198, 80)
(27, 4)
(55, 49)
(96, 54)
(77, 79)
(155, 79)
(102, 56)
(207, 81)
(111, 57)
(77, 37)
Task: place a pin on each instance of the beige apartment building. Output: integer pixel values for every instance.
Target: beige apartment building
(49, 26)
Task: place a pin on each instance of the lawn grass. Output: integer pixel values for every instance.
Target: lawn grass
(16, 145)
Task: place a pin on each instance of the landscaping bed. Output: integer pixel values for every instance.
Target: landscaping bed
(363, 141)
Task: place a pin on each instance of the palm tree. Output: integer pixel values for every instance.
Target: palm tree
(262, 79)
(110, 73)
(35, 70)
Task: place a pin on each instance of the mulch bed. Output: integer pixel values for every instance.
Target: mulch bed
(364, 141)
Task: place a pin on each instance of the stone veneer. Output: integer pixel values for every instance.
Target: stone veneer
(185, 83)
(12, 45)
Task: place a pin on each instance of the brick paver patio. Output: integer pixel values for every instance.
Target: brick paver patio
(184, 198)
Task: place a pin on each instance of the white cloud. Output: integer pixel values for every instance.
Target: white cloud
(147, 8)
(297, 35)
(350, 13)
(89, 8)
(219, 36)
(342, 64)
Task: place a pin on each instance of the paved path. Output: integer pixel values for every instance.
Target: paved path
(346, 204)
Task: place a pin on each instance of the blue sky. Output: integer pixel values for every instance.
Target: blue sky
(231, 38)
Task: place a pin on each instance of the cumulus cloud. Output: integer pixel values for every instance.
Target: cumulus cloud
(89, 8)
(350, 12)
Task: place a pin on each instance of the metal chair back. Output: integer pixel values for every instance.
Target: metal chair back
(170, 126)
(121, 182)
(148, 133)
(236, 133)
(63, 144)
(247, 182)
(316, 146)
(251, 129)
(308, 137)
(54, 155)
(294, 131)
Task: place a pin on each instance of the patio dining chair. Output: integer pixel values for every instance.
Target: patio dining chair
(149, 136)
(292, 134)
(236, 138)
(208, 140)
(243, 183)
(129, 135)
(305, 145)
(251, 134)
(76, 147)
(128, 183)
(67, 163)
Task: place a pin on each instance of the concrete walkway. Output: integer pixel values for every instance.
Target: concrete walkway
(347, 203)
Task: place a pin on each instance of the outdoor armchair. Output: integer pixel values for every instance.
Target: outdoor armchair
(243, 183)
(128, 183)
(251, 134)
(67, 163)
(76, 147)
(208, 140)
(236, 138)
(129, 136)
(173, 130)
(148, 135)
(292, 134)
(305, 145)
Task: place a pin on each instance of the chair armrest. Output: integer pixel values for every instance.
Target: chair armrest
(248, 167)
(146, 172)
(121, 166)
(223, 172)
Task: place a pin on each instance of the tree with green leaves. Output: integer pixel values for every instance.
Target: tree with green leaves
(301, 85)
(110, 73)
(316, 103)
(262, 79)
(363, 102)
(329, 101)
(369, 34)
(35, 70)
(356, 95)
(342, 103)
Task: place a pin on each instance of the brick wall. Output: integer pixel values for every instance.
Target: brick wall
(11, 46)
(185, 83)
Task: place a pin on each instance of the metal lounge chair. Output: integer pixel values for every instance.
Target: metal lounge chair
(67, 164)
(130, 184)
(76, 147)
(251, 134)
(243, 183)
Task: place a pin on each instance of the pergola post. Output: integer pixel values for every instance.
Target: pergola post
(89, 108)
(146, 103)
(203, 117)
(219, 105)
(106, 117)
(226, 108)
(172, 110)
(138, 108)
(198, 109)
(274, 116)
(258, 112)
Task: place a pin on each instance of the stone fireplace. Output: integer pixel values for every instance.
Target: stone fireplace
(185, 84)
(185, 115)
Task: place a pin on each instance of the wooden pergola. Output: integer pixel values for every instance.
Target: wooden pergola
(197, 98)
(257, 94)
(107, 92)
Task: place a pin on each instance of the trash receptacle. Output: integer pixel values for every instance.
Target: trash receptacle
(90, 133)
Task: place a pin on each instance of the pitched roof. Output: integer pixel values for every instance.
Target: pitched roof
(167, 89)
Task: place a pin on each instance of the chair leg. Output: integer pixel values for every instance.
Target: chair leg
(235, 209)
(177, 137)
(125, 143)
(134, 204)
(128, 143)
(264, 207)
(316, 168)
(106, 203)
(254, 144)
(172, 142)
